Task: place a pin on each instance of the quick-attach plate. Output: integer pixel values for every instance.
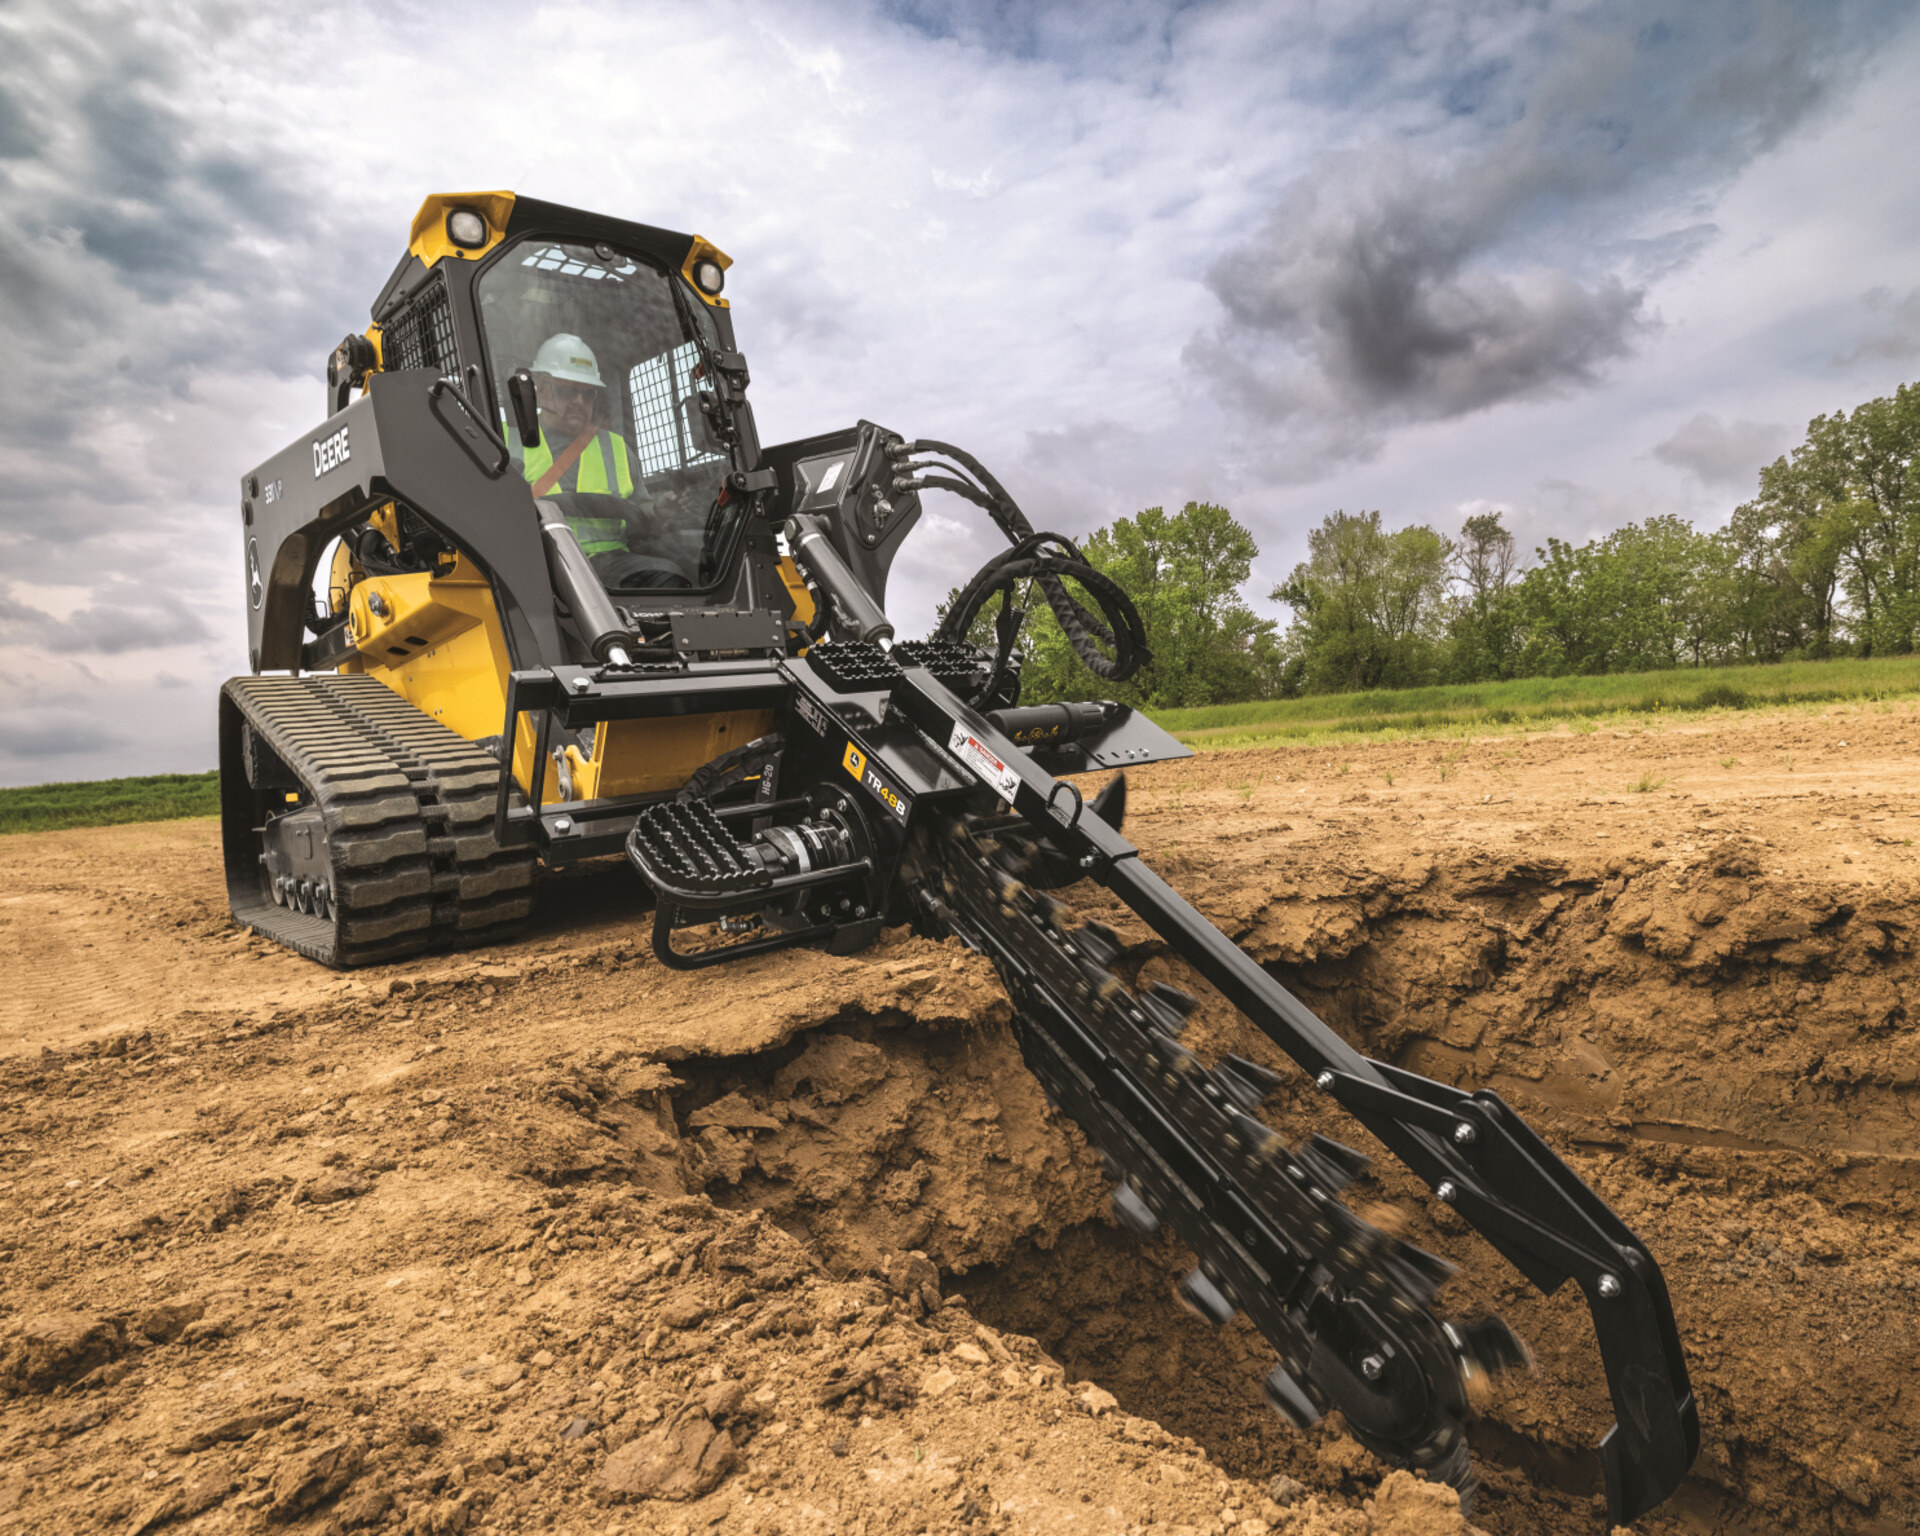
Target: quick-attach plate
(710, 631)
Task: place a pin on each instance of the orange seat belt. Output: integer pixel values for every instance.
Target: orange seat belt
(562, 464)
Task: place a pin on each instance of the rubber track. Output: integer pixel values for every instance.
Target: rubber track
(408, 807)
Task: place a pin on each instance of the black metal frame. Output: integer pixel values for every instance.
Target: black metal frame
(577, 697)
(403, 446)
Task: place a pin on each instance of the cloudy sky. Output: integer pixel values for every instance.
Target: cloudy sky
(1578, 262)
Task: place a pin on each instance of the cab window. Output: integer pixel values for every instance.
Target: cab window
(624, 451)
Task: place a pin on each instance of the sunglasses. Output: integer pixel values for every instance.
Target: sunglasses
(564, 394)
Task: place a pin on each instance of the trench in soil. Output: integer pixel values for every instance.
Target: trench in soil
(1777, 1229)
(1745, 1109)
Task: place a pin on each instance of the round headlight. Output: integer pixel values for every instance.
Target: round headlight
(466, 229)
(708, 276)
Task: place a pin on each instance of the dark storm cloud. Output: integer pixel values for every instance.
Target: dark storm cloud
(1396, 316)
(153, 249)
(1475, 256)
(1723, 453)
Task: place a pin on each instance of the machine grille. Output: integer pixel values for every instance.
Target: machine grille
(421, 335)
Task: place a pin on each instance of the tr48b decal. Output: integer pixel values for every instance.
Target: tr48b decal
(861, 767)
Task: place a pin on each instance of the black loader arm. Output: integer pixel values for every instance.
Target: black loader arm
(416, 438)
(1477, 1154)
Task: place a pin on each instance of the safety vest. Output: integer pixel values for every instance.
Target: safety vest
(597, 535)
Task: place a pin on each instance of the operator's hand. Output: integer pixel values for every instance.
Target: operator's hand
(637, 511)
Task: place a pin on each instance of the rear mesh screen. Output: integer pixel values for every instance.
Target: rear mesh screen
(670, 430)
(421, 335)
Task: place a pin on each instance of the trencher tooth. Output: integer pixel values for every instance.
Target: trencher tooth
(1175, 1057)
(1490, 1344)
(1099, 943)
(1246, 1082)
(1182, 1003)
(1425, 1272)
(1334, 1165)
(1133, 1213)
(1203, 1299)
(1251, 1138)
(1235, 1088)
(1286, 1397)
(1160, 1016)
(1166, 1006)
(1045, 907)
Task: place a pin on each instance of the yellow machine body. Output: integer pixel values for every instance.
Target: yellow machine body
(434, 638)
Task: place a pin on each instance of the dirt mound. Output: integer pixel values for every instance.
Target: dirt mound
(551, 1237)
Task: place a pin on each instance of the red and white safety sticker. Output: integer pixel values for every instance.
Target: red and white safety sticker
(984, 761)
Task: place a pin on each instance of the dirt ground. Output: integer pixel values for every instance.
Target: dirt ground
(550, 1238)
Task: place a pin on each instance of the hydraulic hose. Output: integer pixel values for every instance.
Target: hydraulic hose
(1030, 559)
(1123, 629)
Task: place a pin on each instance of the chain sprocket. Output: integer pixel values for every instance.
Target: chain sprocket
(1345, 1304)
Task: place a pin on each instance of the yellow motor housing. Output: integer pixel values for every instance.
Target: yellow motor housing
(435, 639)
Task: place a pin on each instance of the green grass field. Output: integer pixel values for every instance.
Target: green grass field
(1540, 703)
(105, 802)
(1536, 703)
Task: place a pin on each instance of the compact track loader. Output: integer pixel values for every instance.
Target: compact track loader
(535, 591)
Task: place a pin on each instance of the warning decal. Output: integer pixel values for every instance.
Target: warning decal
(984, 761)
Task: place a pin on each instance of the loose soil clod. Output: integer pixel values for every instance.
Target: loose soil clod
(549, 1237)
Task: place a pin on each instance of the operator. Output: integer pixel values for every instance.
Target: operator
(577, 453)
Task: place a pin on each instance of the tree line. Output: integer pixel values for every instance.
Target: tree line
(1823, 561)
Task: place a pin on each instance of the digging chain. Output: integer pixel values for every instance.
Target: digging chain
(1345, 1304)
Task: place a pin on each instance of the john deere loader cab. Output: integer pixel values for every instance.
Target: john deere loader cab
(535, 592)
(540, 455)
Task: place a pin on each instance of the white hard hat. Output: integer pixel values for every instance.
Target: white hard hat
(568, 357)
